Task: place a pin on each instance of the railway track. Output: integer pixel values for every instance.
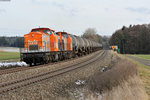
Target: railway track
(17, 69)
(12, 85)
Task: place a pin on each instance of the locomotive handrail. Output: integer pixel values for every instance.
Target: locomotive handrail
(37, 46)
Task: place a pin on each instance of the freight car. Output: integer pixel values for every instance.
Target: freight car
(44, 45)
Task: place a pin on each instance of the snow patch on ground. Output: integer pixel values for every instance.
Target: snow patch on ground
(103, 69)
(80, 82)
(85, 94)
(12, 64)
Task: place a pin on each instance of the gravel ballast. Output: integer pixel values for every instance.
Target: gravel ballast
(55, 87)
(31, 72)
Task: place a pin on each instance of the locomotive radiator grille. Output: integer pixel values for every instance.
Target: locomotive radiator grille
(33, 47)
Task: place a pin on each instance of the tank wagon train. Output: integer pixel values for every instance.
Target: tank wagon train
(44, 45)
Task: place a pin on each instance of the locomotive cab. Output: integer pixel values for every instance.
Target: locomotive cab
(41, 39)
(37, 44)
(65, 41)
(36, 41)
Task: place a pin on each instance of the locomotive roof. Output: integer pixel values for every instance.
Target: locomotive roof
(42, 29)
(63, 32)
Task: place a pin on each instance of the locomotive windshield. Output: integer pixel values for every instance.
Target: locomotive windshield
(35, 31)
(65, 35)
(54, 33)
(47, 32)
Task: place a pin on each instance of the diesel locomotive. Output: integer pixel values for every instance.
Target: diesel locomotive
(44, 45)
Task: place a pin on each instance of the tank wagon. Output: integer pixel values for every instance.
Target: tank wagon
(44, 45)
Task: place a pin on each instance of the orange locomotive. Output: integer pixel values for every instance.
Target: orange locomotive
(41, 39)
(65, 41)
(43, 45)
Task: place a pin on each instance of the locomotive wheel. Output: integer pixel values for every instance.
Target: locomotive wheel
(56, 57)
(74, 55)
(30, 63)
(69, 55)
(41, 61)
(85, 53)
(34, 61)
(46, 59)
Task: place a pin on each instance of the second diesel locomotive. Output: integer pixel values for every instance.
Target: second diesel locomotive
(43, 45)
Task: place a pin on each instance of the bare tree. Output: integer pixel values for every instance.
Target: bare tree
(91, 34)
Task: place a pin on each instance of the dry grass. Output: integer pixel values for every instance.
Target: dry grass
(121, 82)
(113, 77)
(132, 89)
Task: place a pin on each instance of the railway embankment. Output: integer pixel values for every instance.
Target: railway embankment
(120, 81)
(54, 87)
(105, 76)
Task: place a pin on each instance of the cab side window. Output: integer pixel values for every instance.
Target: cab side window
(55, 33)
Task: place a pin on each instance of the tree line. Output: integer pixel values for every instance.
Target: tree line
(11, 41)
(133, 39)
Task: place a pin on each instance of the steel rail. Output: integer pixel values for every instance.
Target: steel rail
(17, 69)
(4, 87)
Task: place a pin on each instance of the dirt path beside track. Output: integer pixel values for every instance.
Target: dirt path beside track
(140, 60)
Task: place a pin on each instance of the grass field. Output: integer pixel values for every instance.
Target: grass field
(144, 72)
(143, 56)
(145, 76)
(9, 56)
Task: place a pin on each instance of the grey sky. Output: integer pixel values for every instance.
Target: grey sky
(18, 17)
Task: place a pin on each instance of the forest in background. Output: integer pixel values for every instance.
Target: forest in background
(11, 41)
(133, 39)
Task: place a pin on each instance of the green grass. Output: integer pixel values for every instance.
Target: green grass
(143, 56)
(9, 56)
(144, 72)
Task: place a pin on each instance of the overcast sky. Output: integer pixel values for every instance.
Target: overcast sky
(18, 17)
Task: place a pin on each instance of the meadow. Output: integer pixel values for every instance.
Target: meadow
(147, 57)
(144, 72)
(9, 56)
